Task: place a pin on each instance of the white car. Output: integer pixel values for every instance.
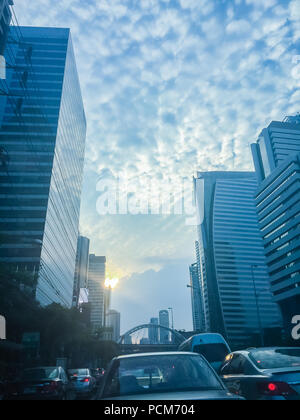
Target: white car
(163, 376)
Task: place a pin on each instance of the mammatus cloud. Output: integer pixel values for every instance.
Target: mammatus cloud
(171, 87)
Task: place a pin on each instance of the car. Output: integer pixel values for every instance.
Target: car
(263, 373)
(213, 347)
(83, 382)
(42, 383)
(163, 376)
(98, 374)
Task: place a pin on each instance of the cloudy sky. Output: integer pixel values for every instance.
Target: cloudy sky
(170, 87)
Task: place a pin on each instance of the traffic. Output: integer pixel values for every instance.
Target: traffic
(203, 368)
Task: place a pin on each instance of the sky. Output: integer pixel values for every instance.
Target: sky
(170, 87)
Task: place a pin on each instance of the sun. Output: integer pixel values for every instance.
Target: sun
(111, 283)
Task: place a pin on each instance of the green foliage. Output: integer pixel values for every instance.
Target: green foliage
(63, 331)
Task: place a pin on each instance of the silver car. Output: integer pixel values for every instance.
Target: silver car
(263, 374)
(163, 376)
(82, 381)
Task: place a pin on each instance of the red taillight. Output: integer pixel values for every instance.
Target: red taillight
(272, 387)
(86, 380)
(276, 389)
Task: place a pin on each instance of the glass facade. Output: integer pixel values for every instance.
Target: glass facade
(97, 292)
(232, 260)
(277, 142)
(5, 18)
(43, 131)
(277, 201)
(196, 297)
(81, 269)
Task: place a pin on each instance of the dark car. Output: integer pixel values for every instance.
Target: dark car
(43, 383)
(163, 376)
(263, 374)
(98, 374)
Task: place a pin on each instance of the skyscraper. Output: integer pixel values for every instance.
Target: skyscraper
(42, 137)
(153, 332)
(113, 320)
(97, 268)
(277, 162)
(81, 269)
(231, 258)
(5, 18)
(164, 321)
(196, 297)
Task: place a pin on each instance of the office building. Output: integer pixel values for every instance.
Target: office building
(164, 321)
(96, 286)
(5, 19)
(237, 298)
(277, 162)
(153, 331)
(81, 270)
(42, 140)
(113, 321)
(196, 298)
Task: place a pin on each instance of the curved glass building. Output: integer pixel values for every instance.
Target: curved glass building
(234, 280)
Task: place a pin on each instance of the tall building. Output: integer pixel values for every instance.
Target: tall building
(81, 270)
(153, 332)
(113, 321)
(237, 298)
(164, 321)
(97, 267)
(196, 297)
(277, 162)
(43, 131)
(5, 19)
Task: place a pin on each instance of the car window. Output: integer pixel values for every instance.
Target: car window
(78, 372)
(236, 366)
(276, 358)
(149, 374)
(214, 352)
(40, 373)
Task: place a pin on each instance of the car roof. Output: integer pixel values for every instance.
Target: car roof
(170, 353)
(248, 351)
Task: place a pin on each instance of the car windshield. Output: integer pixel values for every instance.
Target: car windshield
(212, 352)
(38, 374)
(276, 358)
(78, 372)
(163, 373)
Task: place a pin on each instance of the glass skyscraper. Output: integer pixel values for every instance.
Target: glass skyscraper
(277, 162)
(235, 284)
(97, 292)
(196, 297)
(81, 271)
(5, 18)
(42, 138)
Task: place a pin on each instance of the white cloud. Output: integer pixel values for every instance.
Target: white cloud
(171, 87)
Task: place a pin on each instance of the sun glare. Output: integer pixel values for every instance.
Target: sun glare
(111, 283)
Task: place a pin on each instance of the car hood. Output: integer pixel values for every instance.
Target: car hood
(180, 396)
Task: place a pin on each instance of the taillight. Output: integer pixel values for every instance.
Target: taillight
(86, 380)
(276, 389)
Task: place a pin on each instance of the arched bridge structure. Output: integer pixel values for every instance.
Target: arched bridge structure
(150, 338)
